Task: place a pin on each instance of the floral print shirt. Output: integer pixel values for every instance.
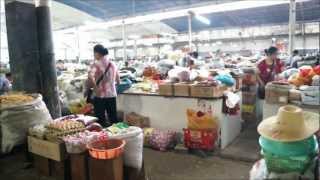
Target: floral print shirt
(107, 87)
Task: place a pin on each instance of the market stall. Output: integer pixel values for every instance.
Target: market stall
(171, 112)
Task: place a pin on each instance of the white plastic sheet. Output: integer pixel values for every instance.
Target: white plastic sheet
(16, 120)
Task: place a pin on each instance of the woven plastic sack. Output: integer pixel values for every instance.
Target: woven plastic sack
(133, 150)
(17, 119)
(163, 140)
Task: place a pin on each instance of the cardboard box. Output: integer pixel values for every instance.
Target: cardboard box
(238, 83)
(134, 119)
(51, 150)
(249, 98)
(166, 89)
(207, 91)
(182, 89)
(294, 95)
(276, 94)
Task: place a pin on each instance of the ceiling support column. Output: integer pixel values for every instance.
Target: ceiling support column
(292, 25)
(47, 59)
(190, 31)
(124, 40)
(23, 45)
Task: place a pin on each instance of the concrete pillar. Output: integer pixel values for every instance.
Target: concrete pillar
(190, 31)
(23, 46)
(47, 60)
(292, 25)
(124, 40)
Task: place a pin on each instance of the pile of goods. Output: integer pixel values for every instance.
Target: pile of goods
(19, 112)
(68, 125)
(306, 75)
(81, 107)
(289, 146)
(15, 99)
(302, 87)
(202, 130)
(249, 95)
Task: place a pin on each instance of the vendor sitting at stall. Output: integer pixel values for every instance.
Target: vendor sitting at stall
(5, 83)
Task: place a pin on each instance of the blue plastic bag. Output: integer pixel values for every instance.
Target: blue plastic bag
(225, 79)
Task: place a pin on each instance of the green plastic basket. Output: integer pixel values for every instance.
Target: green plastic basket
(285, 164)
(298, 148)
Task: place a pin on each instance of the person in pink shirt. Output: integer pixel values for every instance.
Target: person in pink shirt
(103, 77)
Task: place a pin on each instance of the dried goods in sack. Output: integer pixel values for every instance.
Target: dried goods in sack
(16, 119)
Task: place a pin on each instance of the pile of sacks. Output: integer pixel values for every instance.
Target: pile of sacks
(288, 145)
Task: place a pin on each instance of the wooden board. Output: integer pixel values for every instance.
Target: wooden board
(50, 150)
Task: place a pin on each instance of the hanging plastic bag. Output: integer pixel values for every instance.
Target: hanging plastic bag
(201, 120)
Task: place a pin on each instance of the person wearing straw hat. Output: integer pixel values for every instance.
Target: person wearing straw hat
(289, 125)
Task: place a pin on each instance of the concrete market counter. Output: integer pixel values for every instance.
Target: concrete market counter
(170, 112)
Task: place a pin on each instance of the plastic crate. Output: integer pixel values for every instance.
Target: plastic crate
(200, 139)
(282, 164)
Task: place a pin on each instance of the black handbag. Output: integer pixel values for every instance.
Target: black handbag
(89, 94)
(261, 92)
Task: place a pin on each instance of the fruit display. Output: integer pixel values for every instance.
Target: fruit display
(15, 99)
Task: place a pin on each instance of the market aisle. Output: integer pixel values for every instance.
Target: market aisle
(183, 166)
(159, 166)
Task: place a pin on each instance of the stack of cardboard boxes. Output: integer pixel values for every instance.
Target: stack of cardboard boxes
(249, 95)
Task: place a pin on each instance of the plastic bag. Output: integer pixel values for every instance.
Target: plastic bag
(163, 140)
(201, 120)
(133, 150)
(184, 76)
(147, 132)
(225, 79)
(16, 120)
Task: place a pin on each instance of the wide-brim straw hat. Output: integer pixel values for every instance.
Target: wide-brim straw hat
(290, 124)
